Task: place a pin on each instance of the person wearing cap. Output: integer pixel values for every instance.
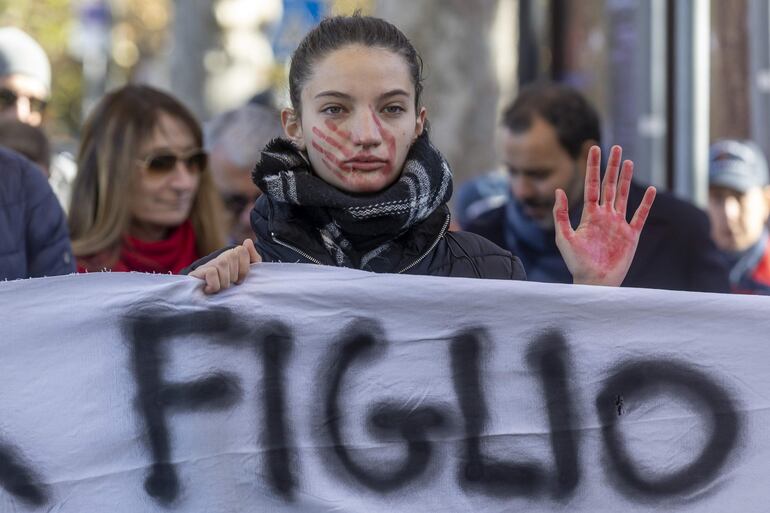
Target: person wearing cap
(25, 87)
(739, 207)
(25, 77)
(34, 240)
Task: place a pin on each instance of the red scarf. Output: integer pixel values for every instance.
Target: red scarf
(170, 255)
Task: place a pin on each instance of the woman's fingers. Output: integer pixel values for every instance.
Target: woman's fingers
(610, 184)
(230, 267)
(224, 266)
(243, 264)
(617, 180)
(235, 264)
(561, 216)
(640, 216)
(247, 255)
(210, 277)
(218, 273)
(213, 282)
(593, 176)
(254, 256)
(621, 202)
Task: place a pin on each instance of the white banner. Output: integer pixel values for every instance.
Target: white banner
(317, 389)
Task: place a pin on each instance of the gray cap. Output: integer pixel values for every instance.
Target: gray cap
(739, 165)
(20, 54)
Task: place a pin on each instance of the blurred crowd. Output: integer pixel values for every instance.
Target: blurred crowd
(153, 190)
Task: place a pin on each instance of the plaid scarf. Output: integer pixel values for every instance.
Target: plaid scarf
(355, 229)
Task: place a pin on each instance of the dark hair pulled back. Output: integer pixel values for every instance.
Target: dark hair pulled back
(339, 31)
(563, 107)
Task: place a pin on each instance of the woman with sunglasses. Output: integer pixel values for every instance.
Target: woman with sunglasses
(142, 199)
(357, 183)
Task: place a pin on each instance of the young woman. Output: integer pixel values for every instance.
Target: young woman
(142, 199)
(358, 184)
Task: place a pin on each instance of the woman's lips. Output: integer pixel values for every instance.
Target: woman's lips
(365, 164)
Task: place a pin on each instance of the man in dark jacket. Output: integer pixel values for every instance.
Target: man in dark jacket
(33, 231)
(546, 135)
(739, 207)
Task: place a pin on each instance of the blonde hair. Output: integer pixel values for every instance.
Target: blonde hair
(110, 144)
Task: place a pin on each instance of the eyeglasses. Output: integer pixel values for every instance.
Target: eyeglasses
(161, 163)
(8, 98)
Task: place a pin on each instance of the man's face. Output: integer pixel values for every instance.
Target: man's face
(238, 192)
(537, 165)
(22, 98)
(737, 218)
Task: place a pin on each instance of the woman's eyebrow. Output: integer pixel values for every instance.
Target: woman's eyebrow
(394, 92)
(333, 94)
(344, 96)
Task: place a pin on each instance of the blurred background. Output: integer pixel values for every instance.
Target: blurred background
(668, 76)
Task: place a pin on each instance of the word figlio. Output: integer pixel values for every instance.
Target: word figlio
(150, 332)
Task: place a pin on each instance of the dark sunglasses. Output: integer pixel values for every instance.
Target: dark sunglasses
(9, 98)
(195, 160)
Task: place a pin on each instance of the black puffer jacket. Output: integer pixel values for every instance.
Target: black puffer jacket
(426, 249)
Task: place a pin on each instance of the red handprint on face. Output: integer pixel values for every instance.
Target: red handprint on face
(342, 155)
(343, 148)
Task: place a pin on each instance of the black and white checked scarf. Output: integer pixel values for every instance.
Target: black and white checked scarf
(356, 228)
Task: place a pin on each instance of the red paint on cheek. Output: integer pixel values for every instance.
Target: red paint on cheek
(327, 154)
(331, 161)
(334, 143)
(336, 147)
(331, 125)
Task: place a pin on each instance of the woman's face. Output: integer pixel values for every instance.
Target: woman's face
(165, 188)
(358, 118)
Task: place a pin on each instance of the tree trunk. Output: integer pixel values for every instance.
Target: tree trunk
(194, 27)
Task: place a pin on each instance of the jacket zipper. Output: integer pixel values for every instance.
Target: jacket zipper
(296, 250)
(431, 248)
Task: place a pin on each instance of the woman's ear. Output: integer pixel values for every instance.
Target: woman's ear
(419, 124)
(292, 127)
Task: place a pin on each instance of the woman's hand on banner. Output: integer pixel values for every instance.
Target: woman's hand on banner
(601, 249)
(231, 267)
